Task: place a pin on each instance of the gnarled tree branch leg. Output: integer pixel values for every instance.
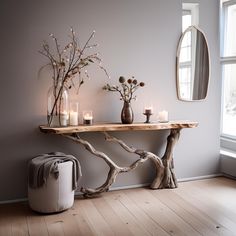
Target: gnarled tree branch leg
(165, 177)
(145, 156)
(114, 169)
(169, 180)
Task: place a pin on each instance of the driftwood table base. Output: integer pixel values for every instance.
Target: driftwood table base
(164, 177)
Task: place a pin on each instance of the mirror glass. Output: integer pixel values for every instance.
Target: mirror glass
(193, 66)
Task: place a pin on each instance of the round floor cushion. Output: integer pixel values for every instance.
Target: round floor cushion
(56, 194)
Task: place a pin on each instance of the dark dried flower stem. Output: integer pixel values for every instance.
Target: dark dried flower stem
(127, 89)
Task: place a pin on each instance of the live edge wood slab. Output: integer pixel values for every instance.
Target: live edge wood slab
(165, 176)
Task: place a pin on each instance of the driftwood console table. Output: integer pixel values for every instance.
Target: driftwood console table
(165, 176)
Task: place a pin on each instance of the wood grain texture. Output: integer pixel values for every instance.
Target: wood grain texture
(202, 207)
(118, 127)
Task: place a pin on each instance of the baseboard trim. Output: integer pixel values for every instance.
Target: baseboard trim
(179, 180)
(229, 176)
(78, 193)
(14, 201)
(200, 177)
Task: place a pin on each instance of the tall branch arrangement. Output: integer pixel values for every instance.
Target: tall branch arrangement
(68, 63)
(126, 88)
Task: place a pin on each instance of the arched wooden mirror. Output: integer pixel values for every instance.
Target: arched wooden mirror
(193, 66)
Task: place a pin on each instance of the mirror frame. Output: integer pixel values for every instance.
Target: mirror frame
(177, 64)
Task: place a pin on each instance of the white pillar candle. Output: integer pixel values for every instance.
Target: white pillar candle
(163, 116)
(74, 113)
(74, 118)
(63, 118)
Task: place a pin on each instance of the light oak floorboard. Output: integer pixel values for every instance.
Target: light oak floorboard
(224, 218)
(213, 190)
(18, 220)
(116, 224)
(36, 224)
(203, 207)
(143, 219)
(187, 211)
(81, 220)
(5, 218)
(161, 214)
(125, 215)
(96, 222)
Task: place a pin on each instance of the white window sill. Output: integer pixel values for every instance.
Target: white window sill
(228, 153)
(228, 162)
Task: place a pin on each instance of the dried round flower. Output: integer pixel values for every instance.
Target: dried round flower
(122, 79)
(141, 84)
(129, 81)
(62, 64)
(135, 81)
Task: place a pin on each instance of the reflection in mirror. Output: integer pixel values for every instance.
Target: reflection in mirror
(192, 65)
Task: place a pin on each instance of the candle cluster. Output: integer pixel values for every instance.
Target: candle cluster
(162, 115)
(74, 116)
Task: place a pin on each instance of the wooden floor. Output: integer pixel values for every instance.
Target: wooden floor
(204, 207)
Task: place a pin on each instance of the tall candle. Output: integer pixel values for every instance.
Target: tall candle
(63, 118)
(163, 116)
(74, 113)
(74, 118)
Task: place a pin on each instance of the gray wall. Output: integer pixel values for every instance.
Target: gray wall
(136, 38)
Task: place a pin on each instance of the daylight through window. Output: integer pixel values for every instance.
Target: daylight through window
(228, 61)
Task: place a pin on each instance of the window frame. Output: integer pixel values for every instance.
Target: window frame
(227, 141)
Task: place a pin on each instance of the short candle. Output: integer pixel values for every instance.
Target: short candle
(148, 110)
(87, 117)
(163, 116)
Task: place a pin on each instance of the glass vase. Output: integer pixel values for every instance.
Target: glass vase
(58, 106)
(127, 115)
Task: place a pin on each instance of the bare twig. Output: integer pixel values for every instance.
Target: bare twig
(68, 63)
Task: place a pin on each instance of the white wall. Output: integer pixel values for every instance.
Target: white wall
(137, 38)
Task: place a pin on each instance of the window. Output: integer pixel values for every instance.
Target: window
(186, 19)
(190, 12)
(228, 63)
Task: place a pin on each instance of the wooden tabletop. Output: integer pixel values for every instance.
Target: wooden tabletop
(101, 127)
